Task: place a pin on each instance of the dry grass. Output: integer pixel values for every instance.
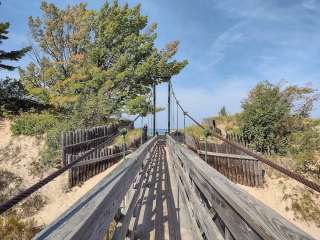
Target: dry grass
(304, 203)
(17, 222)
(132, 134)
(13, 228)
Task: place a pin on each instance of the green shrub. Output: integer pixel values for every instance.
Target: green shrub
(195, 131)
(51, 155)
(33, 123)
(132, 134)
(271, 114)
(304, 146)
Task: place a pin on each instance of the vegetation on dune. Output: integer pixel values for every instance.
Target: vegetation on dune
(131, 135)
(276, 118)
(13, 227)
(14, 224)
(33, 123)
(87, 67)
(271, 115)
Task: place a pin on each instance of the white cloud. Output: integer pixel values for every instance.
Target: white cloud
(224, 41)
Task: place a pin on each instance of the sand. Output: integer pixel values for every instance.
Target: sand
(59, 198)
(23, 150)
(272, 196)
(18, 153)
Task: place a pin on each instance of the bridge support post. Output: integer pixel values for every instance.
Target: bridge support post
(177, 117)
(169, 106)
(184, 127)
(154, 109)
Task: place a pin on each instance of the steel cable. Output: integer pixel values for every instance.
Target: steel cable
(287, 172)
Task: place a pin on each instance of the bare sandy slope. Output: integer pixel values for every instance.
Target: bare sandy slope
(59, 199)
(272, 194)
(17, 155)
(5, 133)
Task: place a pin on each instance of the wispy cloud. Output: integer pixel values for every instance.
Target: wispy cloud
(224, 41)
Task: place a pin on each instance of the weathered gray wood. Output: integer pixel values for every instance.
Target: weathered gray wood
(207, 225)
(90, 216)
(244, 216)
(122, 227)
(226, 155)
(99, 159)
(227, 234)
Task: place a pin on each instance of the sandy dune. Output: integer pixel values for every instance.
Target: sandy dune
(272, 195)
(18, 153)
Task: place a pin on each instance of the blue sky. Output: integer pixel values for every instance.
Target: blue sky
(230, 45)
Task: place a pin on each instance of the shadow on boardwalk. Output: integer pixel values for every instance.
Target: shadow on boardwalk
(158, 217)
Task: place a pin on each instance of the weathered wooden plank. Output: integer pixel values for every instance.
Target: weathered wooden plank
(226, 155)
(90, 216)
(244, 216)
(122, 227)
(207, 225)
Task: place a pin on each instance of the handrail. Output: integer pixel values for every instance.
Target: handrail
(243, 215)
(90, 216)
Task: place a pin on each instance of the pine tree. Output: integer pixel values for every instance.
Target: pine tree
(223, 112)
(12, 55)
(96, 63)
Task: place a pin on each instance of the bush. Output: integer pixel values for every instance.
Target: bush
(195, 131)
(33, 123)
(50, 155)
(132, 135)
(303, 147)
(271, 114)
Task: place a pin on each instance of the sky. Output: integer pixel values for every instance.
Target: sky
(231, 45)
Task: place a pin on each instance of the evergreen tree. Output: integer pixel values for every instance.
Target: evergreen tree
(96, 64)
(12, 55)
(223, 112)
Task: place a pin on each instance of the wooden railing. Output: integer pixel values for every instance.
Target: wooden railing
(219, 208)
(90, 217)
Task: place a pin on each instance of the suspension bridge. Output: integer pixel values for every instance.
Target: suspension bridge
(165, 186)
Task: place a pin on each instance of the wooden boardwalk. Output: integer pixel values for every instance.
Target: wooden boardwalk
(163, 190)
(160, 211)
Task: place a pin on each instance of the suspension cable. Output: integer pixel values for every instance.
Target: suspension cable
(264, 160)
(177, 116)
(27, 192)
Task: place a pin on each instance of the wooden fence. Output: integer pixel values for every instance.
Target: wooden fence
(78, 142)
(231, 162)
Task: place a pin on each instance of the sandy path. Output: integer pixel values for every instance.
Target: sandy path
(272, 196)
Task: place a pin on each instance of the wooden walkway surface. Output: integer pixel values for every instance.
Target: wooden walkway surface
(161, 212)
(163, 190)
